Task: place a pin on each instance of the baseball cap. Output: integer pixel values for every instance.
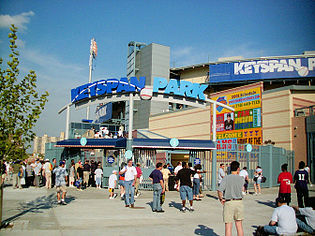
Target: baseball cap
(114, 171)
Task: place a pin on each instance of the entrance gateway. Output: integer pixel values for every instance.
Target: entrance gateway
(144, 150)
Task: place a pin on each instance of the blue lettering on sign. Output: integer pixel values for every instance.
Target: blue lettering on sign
(161, 85)
(185, 88)
(107, 87)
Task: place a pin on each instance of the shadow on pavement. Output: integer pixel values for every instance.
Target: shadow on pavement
(37, 206)
(204, 230)
(267, 203)
(210, 196)
(175, 204)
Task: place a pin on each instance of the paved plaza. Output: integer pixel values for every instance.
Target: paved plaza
(36, 212)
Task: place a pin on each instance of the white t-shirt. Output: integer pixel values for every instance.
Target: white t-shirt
(46, 167)
(309, 214)
(130, 173)
(243, 173)
(98, 173)
(177, 168)
(285, 216)
(111, 181)
(221, 175)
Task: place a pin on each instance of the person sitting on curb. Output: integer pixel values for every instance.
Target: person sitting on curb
(306, 219)
(284, 216)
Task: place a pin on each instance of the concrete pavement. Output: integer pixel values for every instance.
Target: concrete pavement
(34, 211)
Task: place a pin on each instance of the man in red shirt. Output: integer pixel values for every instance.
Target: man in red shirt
(285, 181)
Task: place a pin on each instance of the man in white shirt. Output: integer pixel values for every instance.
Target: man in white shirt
(244, 174)
(178, 167)
(47, 169)
(221, 173)
(285, 217)
(130, 180)
(308, 223)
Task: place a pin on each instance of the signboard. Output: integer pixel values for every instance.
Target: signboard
(197, 161)
(104, 113)
(262, 69)
(243, 126)
(111, 159)
(83, 141)
(125, 85)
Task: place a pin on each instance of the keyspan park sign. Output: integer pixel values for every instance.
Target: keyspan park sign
(125, 85)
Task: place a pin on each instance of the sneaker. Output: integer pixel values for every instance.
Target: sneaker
(63, 203)
(243, 193)
(183, 209)
(160, 211)
(110, 197)
(255, 193)
(138, 194)
(191, 209)
(59, 202)
(115, 195)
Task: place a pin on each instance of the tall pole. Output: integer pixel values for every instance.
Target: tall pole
(214, 152)
(90, 80)
(93, 54)
(67, 122)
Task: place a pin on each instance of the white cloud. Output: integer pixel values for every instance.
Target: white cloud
(188, 56)
(245, 50)
(50, 63)
(18, 20)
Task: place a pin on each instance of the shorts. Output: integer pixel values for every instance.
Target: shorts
(61, 188)
(233, 210)
(111, 190)
(258, 180)
(186, 191)
(121, 183)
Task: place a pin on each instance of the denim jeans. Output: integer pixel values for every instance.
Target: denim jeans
(270, 229)
(303, 226)
(130, 192)
(196, 186)
(157, 190)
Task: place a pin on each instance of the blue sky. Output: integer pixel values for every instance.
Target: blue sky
(54, 37)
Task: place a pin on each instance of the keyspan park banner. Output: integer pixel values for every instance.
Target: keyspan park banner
(262, 69)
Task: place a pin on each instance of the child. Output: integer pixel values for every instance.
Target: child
(98, 176)
(112, 184)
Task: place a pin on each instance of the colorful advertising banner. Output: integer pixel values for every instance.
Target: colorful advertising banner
(262, 69)
(244, 124)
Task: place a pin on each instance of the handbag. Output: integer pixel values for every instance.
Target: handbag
(263, 179)
(255, 179)
(22, 181)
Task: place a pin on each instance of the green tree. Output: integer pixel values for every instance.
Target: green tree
(20, 106)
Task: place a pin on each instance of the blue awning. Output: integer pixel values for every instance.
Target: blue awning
(93, 143)
(184, 144)
(139, 143)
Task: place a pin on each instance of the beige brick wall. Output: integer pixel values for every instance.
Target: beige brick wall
(276, 118)
(191, 123)
(197, 75)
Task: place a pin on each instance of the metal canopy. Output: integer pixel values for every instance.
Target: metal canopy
(139, 143)
(93, 143)
(184, 144)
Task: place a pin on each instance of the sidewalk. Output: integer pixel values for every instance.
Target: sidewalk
(34, 211)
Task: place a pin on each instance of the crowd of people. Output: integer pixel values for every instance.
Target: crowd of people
(232, 187)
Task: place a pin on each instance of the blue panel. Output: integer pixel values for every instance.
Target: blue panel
(262, 69)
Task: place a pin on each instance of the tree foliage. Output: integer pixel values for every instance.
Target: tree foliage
(20, 105)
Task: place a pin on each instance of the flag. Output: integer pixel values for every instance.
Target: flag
(93, 48)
